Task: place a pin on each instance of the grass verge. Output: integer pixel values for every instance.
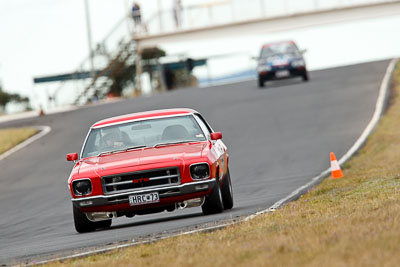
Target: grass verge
(13, 136)
(354, 221)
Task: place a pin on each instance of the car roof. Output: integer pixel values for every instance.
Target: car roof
(280, 42)
(143, 115)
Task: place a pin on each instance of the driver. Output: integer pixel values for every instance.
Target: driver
(113, 138)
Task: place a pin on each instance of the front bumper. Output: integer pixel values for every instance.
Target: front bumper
(164, 193)
(293, 72)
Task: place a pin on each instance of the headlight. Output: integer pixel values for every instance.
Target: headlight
(263, 68)
(298, 63)
(82, 187)
(200, 171)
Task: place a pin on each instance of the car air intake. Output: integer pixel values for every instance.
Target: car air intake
(127, 182)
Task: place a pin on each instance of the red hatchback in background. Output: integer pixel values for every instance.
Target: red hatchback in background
(148, 162)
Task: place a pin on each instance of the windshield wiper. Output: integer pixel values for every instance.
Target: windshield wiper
(174, 143)
(110, 152)
(120, 150)
(134, 147)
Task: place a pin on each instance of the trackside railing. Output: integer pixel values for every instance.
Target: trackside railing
(219, 12)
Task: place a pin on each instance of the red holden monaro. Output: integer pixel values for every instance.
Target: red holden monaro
(148, 162)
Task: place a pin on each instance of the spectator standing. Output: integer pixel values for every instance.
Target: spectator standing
(136, 15)
(169, 78)
(178, 13)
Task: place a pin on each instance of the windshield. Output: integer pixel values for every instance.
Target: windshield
(281, 48)
(145, 133)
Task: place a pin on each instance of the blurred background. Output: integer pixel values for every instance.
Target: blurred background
(77, 52)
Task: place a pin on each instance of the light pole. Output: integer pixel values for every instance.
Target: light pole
(89, 36)
(159, 11)
(127, 16)
(262, 7)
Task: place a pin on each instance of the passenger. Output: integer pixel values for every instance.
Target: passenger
(290, 49)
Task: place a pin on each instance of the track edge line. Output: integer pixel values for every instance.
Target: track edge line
(379, 109)
(43, 130)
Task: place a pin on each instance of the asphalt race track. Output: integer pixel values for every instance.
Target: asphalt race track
(278, 138)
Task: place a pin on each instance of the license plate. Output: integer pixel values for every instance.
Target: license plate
(140, 199)
(282, 73)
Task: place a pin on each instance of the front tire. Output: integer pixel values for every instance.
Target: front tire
(84, 225)
(213, 203)
(260, 82)
(227, 192)
(305, 76)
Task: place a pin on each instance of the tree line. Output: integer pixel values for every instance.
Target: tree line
(7, 97)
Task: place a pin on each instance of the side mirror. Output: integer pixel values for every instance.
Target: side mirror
(72, 157)
(216, 136)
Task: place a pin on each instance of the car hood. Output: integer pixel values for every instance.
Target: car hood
(130, 160)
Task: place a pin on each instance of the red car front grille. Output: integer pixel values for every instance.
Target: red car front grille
(126, 182)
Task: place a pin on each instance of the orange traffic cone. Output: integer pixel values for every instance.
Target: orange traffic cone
(335, 168)
(41, 112)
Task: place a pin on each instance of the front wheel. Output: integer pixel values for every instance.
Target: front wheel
(227, 192)
(84, 225)
(260, 82)
(213, 203)
(305, 76)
